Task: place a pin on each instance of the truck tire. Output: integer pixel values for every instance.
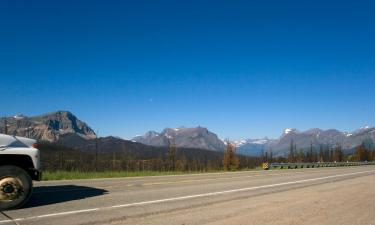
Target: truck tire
(15, 187)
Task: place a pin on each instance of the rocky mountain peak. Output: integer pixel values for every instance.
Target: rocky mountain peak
(47, 127)
(195, 137)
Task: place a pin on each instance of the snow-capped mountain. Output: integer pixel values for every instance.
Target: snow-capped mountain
(304, 139)
(252, 147)
(290, 130)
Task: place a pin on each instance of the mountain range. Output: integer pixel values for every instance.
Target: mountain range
(304, 140)
(203, 138)
(64, 127)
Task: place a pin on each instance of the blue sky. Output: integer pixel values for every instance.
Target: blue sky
(240, 68)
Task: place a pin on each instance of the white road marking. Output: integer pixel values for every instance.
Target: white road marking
(183, 197)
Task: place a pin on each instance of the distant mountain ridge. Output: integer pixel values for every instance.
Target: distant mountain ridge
(303, 140)
(47, 127)
(197, 137)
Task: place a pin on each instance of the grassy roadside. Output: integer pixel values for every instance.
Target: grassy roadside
(74, 175)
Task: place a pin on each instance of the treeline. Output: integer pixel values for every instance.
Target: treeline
(128, 156)
(363, 153)
(59, 157)
(324, 153)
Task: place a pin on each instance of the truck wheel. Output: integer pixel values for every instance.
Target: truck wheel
(15, 187)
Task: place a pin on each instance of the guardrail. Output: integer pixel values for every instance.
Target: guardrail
(269, 166)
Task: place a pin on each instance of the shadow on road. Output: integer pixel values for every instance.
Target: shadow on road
(57, 194)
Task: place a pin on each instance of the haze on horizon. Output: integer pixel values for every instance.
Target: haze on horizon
(241, 69)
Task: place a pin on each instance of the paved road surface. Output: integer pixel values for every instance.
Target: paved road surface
(302, 196)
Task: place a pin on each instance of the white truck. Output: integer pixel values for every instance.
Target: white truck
(19, 166)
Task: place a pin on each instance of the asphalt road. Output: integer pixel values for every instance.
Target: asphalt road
(301, 196)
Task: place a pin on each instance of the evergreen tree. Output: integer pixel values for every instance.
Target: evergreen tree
(338, 155)
(172, 149)
(291, 156)
(321, 154)
(230, 161)
(271, 156)
(300, 156)
(311, 157)
(360, 152)
(5, 125)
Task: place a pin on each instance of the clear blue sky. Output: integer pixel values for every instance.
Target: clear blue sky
(240, 68)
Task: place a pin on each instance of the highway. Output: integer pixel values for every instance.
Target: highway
(342, 195)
